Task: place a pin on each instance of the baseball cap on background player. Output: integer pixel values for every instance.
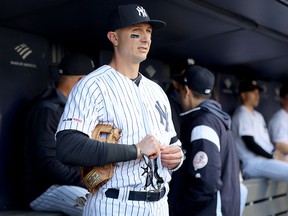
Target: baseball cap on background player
(74, 64)
(249, 85)
(131, 14)
(197, 78)
(283, 90)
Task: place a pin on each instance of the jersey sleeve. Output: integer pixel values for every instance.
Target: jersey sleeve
(204, 164)
(82, 108)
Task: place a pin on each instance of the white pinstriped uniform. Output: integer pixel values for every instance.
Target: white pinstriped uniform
(106, 96)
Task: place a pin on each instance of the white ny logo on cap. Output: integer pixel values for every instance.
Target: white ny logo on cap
(141, 11)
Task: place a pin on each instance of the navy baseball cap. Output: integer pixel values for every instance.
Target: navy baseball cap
(197, 78)
(283, 90)
(75, 64)
(248, 85)
(131, 14)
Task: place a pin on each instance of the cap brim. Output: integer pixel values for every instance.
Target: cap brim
(157, 24)
(252, 88)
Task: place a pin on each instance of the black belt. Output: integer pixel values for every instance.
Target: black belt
(149, 196)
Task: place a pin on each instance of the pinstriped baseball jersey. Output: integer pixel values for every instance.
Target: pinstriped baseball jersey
(106, 96)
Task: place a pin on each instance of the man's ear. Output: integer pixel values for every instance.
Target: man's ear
(176, 84)
(187, 90)
(242, 95)
(112, 36)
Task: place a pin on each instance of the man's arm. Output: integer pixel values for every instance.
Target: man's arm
(254, 147)
(74, 147)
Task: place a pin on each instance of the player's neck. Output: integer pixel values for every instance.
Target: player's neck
(128, 69)
(249, 107)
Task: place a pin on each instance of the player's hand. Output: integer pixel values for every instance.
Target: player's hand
(279, 155)
(171, 156)
(150, 146)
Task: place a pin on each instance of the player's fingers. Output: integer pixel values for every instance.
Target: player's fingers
(150, 146)
(170, 164)
(170, 150)
(163, 147)
(155, 145)
(173, 156)
(153, 157)
(158, 150)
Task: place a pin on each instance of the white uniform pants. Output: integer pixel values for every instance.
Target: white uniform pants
(99, 205)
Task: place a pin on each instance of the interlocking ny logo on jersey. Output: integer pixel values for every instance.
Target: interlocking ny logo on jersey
(23, 50)
(163, 115)
(141, 11)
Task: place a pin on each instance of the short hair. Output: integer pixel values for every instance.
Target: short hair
(284, 90)
(200, 96)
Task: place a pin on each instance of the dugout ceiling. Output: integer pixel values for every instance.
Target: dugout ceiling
(243, 37)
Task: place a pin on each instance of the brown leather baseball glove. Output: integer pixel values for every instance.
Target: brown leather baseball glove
(95, 177)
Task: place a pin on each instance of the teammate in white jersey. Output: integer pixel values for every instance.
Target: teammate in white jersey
(255, 149)
(118, 94)
(278, 124)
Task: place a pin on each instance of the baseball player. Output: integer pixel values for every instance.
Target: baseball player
(49, 184)
(209, 177)
(118, 94)
(278, 124)
(255, 149)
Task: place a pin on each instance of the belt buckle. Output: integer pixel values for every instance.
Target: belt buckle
(153, 195)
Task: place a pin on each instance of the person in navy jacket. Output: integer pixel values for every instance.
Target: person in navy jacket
(208, 181)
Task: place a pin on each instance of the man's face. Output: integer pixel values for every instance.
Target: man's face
(284, 102)
(251, 98)
(134, 42)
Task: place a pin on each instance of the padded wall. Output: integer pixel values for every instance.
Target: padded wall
(226, 87)
(227, 94)
(269, 99)
(24, 73)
